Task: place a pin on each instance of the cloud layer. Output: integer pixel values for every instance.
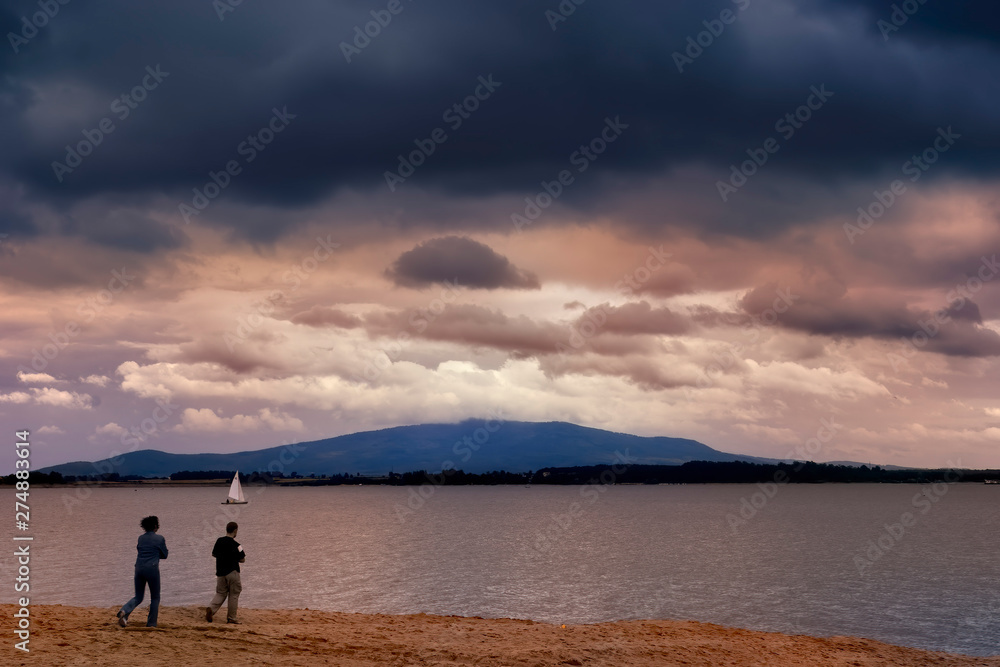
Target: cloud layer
(461, 261)
(646, 219)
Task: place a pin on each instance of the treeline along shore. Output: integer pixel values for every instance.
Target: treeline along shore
(694, 472)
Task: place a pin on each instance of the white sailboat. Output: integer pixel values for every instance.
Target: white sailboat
(236, 492)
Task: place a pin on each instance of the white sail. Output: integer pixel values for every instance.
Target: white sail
(235, 490)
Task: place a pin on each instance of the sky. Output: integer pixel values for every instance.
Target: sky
(770, 226)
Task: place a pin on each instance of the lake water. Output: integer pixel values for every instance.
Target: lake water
(624, 552)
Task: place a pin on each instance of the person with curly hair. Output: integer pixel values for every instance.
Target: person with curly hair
(152, 548)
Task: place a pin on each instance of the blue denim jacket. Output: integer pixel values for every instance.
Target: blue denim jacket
(152, 548)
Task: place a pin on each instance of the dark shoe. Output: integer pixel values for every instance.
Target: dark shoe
(233, 622)
(208, 614)
(122, 619)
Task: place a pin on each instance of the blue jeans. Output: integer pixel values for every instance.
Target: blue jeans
(143, 576)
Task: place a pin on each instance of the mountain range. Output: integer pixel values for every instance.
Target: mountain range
(473, 445)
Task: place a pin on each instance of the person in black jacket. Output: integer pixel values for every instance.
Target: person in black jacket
(151, 548)
(228, 556)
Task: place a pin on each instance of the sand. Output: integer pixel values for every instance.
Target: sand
(62, 635)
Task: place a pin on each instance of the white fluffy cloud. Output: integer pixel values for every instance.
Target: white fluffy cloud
(51, 397)
(823, 381)
(62, 399)
(205, 420)
(15, 397)
(110, 431)
(35, 378)
(111, 428)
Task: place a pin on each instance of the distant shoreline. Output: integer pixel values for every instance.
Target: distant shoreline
(138, 483)
(691, 472)
(302, 483)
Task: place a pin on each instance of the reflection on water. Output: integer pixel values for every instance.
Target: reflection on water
(626, 552)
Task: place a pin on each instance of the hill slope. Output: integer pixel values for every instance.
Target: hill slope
(469, 445)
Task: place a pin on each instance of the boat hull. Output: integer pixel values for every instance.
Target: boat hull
(236, 502)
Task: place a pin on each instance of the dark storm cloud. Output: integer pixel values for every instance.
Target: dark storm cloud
(15, 222)
(519, 336)
(476, 326)
(458, 260)
(322, 316)
(634, 369)
(955, 331)
(942, 23)
(349, 122)
(968, 311)
(243, 358)
(634, 319)
(126, 230)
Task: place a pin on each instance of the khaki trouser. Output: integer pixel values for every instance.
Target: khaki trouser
(227, 586)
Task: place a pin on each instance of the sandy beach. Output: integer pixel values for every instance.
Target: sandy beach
(89, 636)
